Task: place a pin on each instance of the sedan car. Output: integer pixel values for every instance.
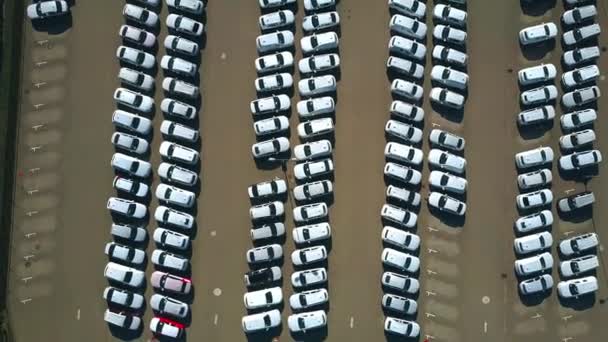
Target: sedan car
(174, 195)
(536, 74)
(315, 106)
(316, 127)
(576, 201)
(174, 130)
(129, 143)
(269, 105)
(447, 140)
(136, 79)
(401, 327)
(449, 34)
(178, 109)
(190, 6)
(448, 182)
(168, 216)
(127, 208)
(408, 197)
(577, 266)
(413, 8)
(311, 233)
(576, 119)
(124, 253)
(130, 165)
(308, 256)
(399, 304)
(274, 62)
(320, 21)
(406, 111)
(536, 116)
(577, 139)
(275, 20)
(167, 238)
(578, 244)
(279, 40)
(447, 161)
(262, 276)
(181, 45)
(275, 187)
(263, 298)
(403, 131)
(401, 283)
(140, 15)
(166, 305)
(539, 95)
(135, 57)
(450, 56)
(534, 221)
(180, 88)
(579, 15)
(269, 148)
(169, 260)
(407, 26)
(581, 34)
(123, 298)
(537, 284)
(399, 216)
(273, 82)
(403, 261)
(403, 153)
(133, 100)
(271, 125)
(267, 231)
(267, 320)
(319, 63)
(306, 321)
(265, 4)
(266, 210)
(534, 199)
(407, 89)
(406, 47)
(581, 96)
(534, 179)
(182, 24)
(310, 191)
(534, 157)
(263, 254)
(405, 67)
(402, 173)
(449, 77)
(400, 238)
(580, 76)
(178, 65)
(312, 150)
(537, 33)
(46, 9)
(313, 169)
(447, 203)
(308, 299)
(581, 55)
(580, 160)
(130, 186)
(318, 42)
(137, 36)
(447, 98)
(124, 275)
(309, 277)
(161, 326)
(577, 287)
(534, 264)
(309, 212)
(316, 5)
(533, 243)
(177, 152)
(450, 15)
(317, 85)
(177, 174)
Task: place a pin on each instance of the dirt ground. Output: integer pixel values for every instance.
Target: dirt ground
(468, 289)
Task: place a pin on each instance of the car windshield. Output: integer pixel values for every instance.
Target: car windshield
(575, 161)
(313, 41)
(443, 158)
(310, 106)
(546, 27)
(267, 320)
(573, 289)
(444, 180)
(134, 166)
(307, 150)
(445, 74)
(415, 6)
(410, 154)
(576, 15)
(281, 38)
(443, 95)
(575, 267)
(301, 323)
(442, 201)
(144, 15)
(138, 100)
(311, 63)
(303, 256)
(306, 233)
(140, 57)
(576, 120)
(311, 84)
(578, 35)
(268, 297)
(445, 33)
(315, 20)
(128, 276)
(577, 76)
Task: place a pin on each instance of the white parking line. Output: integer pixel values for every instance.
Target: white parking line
(485, 327)
(78, 315)
(352, 322)
(215, 319)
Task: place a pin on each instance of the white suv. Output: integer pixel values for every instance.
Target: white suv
(399, 216)
(578, 244)
(576, 201)
(401, 283)
(537, 33)
(537, 74)
(400, 260)
(126, 208)
(534, 157)
(534, 264)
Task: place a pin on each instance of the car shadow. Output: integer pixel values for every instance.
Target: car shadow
(538, 51)
(536, 8)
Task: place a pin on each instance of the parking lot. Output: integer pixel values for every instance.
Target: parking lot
(468, 287)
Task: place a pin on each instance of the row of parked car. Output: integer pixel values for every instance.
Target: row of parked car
(132, 182)
(533, 245)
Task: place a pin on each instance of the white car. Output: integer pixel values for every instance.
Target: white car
(447, 161)
(128, 233)
(262, 276)
(271, 125)
(47, 9)
(308, 299)
(447, 140)
(450, 56)
(136, 79)
(580, 97)
(400, 283)
(176, 174)
(537, 284)
(315, 5)
(534, 199)
(581, 55)
(449, 77)
(318, 42)
(578, 244)
(313, 169)
(178, 109)
(178, 131)
(403, 153)
(129, 143)
(539, 95)
(266, 253)
(399, 304)
(534, 221)
(580, 34)
(306, 321)
(534, 179)
(309, 212)
(125, 253)
(317, 85)
(137, 36)
(407, 89)
(577, 266)
(280, 40)
(167, 328)
(577, 287)
(274, 62)
(273, 82)
(407, 26)
(403, 131)
(133, 100)
(534, 264)
(319, 63)
(405, 67)
(267, 231)
(573, 120)
(168, 238)
(316, 127)
(402, 173)
(130, 165)
(576, 201)
(309, 277)
(579, 15)
(310, 191)
(577, 139)
(320, 21)
(181, 88)
(124, 298)
(450, 15)
(307, 256)
(413, 8)
(166, 305)
(447, 98)
(135, 57)
(402, 217)
(580, 76)
(176, 152)
(181, 45)
(407, 111)
(263, 298)
(580, 160)
(406, 47)
(169, 260)
(130, 186)
(140, 15)
(449, 34)
(536, 115)
(400, 260)
(269, 148)
(311, 233)
(537, 33)
(312, 150)
(448, 182)
(182, 24)
(401, 327)
(173, 217)
(262, 321)
(447, 203)
(534, 157)
(406, 196)
(269, 105)
(266, 211)
(315, 106)
(537, 74)
(191, 6)
(178, 65)
(122, 320)
(275, 20)
(124, 275)
(266, 189)
(264, 4)
(400, 239)
(533, 243)
(174, 195)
